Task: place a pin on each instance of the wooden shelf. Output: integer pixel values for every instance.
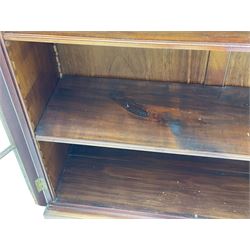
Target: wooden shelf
(149, 116)
(231, 41)
(154, 184)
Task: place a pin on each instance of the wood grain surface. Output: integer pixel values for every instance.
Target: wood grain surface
(53, 156)
(133, 63)
(186, 66)
(238, 72)
(231, 41)
(35, 71)
(217, 68)
(151, 116)
(153, 183)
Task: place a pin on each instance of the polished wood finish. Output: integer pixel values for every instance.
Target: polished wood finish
(133, 63)
(53, 156)
(35, 70)
(154, 183)
(231, 41)
(160, 115)
(151, 116)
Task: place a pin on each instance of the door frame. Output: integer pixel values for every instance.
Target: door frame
(14, 116)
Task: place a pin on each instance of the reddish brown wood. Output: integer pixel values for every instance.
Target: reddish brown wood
(151, 116)
(157, 184)
(17, 124)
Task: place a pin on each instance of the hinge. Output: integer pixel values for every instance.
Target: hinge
(40, 184)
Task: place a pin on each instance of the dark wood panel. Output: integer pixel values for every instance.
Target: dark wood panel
(53, 156)
(152, 116)
(152, 183)
(35, 71)
(134, 63)
(238, 72)
(232, 41)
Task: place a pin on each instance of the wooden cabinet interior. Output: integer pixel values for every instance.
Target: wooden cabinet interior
(153, 183)
(180, 101)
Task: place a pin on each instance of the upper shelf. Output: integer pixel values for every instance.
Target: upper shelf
(149, 116)
(230, 41)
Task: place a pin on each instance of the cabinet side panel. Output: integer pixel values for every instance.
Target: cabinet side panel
(53, 155)
(35, 71)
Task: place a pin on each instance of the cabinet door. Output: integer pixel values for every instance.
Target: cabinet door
(11, 110)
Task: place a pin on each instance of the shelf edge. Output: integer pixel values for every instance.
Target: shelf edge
(133, 43)
(144, 148)
(75, 211)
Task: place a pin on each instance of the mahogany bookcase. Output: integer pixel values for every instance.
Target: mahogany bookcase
(131, 124)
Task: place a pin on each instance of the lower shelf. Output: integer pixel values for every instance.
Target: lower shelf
(112, 181)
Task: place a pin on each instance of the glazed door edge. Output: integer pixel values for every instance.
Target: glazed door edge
(14, 116)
